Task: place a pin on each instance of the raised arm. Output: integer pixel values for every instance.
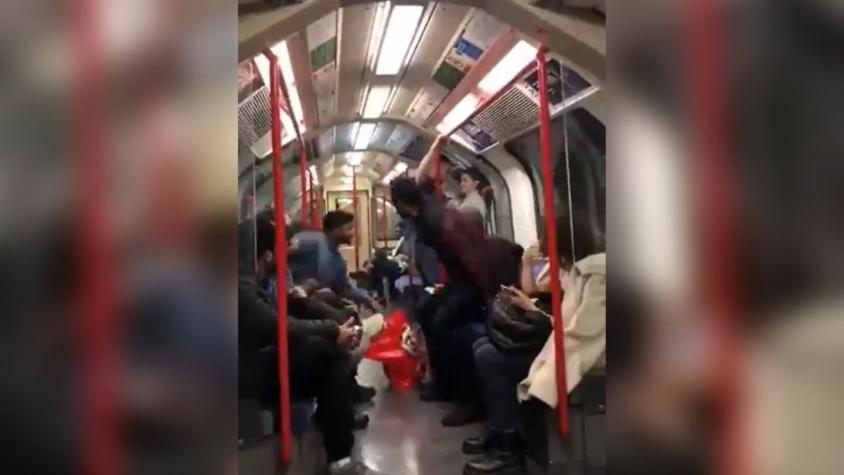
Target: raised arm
(427, 166)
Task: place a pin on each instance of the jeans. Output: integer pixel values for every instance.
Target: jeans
(500, 374)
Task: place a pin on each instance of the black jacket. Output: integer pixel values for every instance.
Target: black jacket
(258, 319)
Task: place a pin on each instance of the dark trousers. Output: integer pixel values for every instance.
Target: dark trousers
(451, 322)
(318, 369)
(499, 375)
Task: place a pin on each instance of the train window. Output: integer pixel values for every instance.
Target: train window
(586, 137)
(386, 221)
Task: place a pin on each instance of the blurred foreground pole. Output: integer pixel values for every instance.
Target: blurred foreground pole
(551, 239)
(101, 451)
(281, 261)
(715, 205)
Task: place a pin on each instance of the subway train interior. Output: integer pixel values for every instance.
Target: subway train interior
(500, 103)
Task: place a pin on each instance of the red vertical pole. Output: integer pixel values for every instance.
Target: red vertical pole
(355, 212)
(551, 234)
(281, 262)
(101, 452)
(715, 199)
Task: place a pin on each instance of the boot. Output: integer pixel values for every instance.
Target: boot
(363, 394)
(479, 445)
(504, 458)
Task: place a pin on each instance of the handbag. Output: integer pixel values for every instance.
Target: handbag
(513, 330)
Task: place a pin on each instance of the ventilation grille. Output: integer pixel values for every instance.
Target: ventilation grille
(253, 118)
(511, 114)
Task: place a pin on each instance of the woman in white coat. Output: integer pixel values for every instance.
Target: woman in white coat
(500, 370)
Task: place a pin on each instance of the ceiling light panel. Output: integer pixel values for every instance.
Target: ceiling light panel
(283, 54)
(364, 135)
(510, 65)
(376, 101)
(459, 114)
(401, 29)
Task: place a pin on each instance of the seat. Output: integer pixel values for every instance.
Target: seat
(584, 452)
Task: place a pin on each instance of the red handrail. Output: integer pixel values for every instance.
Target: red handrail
(102, 452)
(281, 261)
(303, 153)
(715, 194)
(551, 236)
(486, 102)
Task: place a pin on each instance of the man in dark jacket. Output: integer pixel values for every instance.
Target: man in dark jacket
(318, 366)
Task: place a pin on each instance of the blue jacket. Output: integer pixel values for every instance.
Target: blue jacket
(314, 257)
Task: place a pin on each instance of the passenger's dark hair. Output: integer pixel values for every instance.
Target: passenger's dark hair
(336, 219)
(405, 190)
(585, 243)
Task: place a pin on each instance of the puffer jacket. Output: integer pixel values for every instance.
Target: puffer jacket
(585, 328)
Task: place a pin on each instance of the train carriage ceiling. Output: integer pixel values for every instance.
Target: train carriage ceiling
(374, 82)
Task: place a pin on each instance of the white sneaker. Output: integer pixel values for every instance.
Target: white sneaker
(352, 467)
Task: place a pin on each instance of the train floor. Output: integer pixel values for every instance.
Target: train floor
(404, 437)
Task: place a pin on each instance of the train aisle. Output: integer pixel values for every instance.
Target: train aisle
(405, 436)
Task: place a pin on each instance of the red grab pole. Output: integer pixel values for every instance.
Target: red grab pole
(303, 154)
(551, 235)
(281, 261)
(98, 299)
(355, 213)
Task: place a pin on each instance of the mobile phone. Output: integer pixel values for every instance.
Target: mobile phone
(537, 268)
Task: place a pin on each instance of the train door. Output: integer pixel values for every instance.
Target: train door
(359, 251)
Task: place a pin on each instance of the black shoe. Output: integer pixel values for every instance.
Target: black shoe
(495, 463)
(361, 422)
(364, 394)
(478, 445)
(503, 458)
(430, 393)
(461, 416)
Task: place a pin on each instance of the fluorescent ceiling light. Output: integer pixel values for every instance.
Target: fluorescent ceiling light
(382, 11)
(314, 175)
(401, 167)
(510, 65)
(283, 54)
(400, 32)
(376, 101)
(459, 114)
(355, 159)
(364, 134)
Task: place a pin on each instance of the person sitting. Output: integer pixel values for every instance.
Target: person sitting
(316, 255)
(504, 360)
(318, 366)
